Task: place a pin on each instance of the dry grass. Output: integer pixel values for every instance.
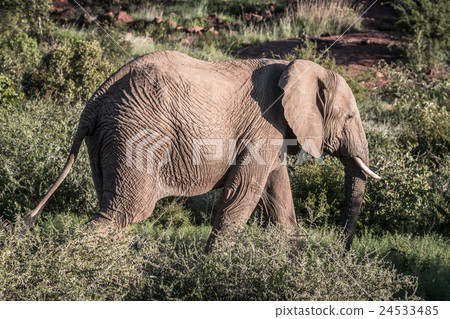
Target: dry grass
(318, 17)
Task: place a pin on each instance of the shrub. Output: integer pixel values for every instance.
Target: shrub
(49, 264)
(318, 191)
(33, 17)
(427, 21)
(76, 69)
(412, 196)
(427, 257)
(35, 139)
(427, 131)
(170, 213)
(9, 95)
(19, 53)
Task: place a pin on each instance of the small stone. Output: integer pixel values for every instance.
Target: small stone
(195, 29)
(124, 18)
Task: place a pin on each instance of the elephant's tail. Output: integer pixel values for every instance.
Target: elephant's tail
(32, 215)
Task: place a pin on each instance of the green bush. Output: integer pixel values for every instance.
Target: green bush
(427, 131)
(32, 17)
(52, 264)
(19, 53)
(427, 257)
(427, 21)
(318, 191)
(409, 199)
(9, 95)
(412, 196)
(76, 69)
(170, 213)
(35, 139)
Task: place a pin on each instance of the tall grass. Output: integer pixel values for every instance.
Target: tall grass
(59, 262)
(319, 17)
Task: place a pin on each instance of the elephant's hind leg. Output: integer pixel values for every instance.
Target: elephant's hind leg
(128, 196)
(241, 193)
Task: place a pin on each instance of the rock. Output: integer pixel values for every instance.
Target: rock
(67, 12)
(124, 18)
(84, 20)
(212, 31)
(106, 17)
(379, 75)
(196, 29)
(158, 20)
(171, 24)
(60, 5)
(63, 16)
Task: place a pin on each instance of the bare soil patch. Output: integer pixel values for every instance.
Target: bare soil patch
(358, 50)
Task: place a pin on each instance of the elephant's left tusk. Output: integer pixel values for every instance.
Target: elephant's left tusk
(365, 168)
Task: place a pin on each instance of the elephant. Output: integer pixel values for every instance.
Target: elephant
(162, 126)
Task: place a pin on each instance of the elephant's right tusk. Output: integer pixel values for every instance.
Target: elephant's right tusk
(365, 168)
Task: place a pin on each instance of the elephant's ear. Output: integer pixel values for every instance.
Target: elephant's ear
(305, 89)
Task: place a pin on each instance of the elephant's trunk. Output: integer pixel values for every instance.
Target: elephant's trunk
(355, 184)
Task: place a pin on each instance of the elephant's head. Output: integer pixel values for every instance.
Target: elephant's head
(321, 111)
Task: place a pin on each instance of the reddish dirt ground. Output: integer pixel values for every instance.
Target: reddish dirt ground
(357, 50)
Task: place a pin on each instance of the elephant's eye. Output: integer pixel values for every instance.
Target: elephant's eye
(349, 117)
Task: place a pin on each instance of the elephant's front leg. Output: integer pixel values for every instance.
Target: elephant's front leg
(278, 204)
(241, 193)
(277, 199)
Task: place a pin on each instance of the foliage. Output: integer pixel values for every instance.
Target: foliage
(428, 131)
(46, 75)
(426, 257)
(9, 95)
(35, 138)
(53, 264)
(30, 16)
(317, 191)
(19, 53)
(321, 17)
(76, 69)
(427, 21)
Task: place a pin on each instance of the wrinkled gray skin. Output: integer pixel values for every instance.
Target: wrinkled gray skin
(193, 99)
